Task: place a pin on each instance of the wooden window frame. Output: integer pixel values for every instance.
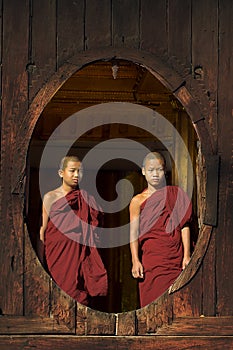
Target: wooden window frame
(84, 320)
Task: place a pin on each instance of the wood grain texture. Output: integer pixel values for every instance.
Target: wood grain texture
(43, 44)
(154, 35)
(153, 316)
(14, 105)
(62, 308)
(212, 184)
(205, 59)
(179, 32)
(120, 343)
(98, 33)
(81, 319)
(209, 275)
(196, 259)
(126, 323)
(224, 238)
(70, 29)
(125, 23)
(100, 323)
(36, 282)
(30, 325)
(203, 326)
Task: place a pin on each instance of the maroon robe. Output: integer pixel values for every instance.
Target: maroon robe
(162, 217)
(71, 255)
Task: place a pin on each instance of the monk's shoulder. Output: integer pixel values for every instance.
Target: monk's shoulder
(53, 195)
(137, 200)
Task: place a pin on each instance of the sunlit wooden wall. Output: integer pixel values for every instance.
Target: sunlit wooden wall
(187, 45)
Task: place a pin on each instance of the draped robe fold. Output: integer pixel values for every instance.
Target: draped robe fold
(162, 216)
(70, 246)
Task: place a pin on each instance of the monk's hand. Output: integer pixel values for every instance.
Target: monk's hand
(185, 262)
(137, 270)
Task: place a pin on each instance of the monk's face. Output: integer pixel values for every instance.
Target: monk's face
(72, 174)
(154, 172)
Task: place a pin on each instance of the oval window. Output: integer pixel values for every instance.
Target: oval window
(110, 115)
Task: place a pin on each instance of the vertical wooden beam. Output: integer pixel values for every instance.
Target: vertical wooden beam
(100, 323)
(179, 33)
(182, 152)
(125, 23)
(126, 323)
(209, 278)
(212, 172)
(154, 36)
(43, 45)
(224, 237)
(14, 105)
(1, 40)
(98, 32)
(36, 282)
(70, 29)
(205, 60)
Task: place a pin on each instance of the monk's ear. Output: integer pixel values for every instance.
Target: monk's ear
(143, 171)
(60, 173)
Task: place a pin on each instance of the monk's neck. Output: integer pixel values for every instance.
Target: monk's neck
(151, 190)
(65, 189)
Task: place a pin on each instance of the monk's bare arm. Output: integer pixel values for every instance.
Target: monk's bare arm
(134, 209)
(47, 202)
(185, 234)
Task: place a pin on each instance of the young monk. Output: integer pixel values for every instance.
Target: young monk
(159, 231)
(67, 236)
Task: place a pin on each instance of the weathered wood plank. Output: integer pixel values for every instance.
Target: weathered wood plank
(154, 315)
(179, 33)
(43, 54)
(205, 59)
(209, 277)
(81, 316)
(63, 307)
(224, 237)
(99, 323)
(188, 101)
(125, 23)
(186, 302)
(154, 35)
(212, 172)
(203, 326)
(30, 325)
(14, 104)
(1, 198)
(98, 32)
(42, 296)
(1, 21)
(126, 323)
(119, 343)
(14, 94)
(196, 259)
(36, 282)
(70, 29)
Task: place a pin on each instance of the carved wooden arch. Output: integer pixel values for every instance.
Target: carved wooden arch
(176, 84)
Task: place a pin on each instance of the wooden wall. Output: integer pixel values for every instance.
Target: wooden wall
(187, 45)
